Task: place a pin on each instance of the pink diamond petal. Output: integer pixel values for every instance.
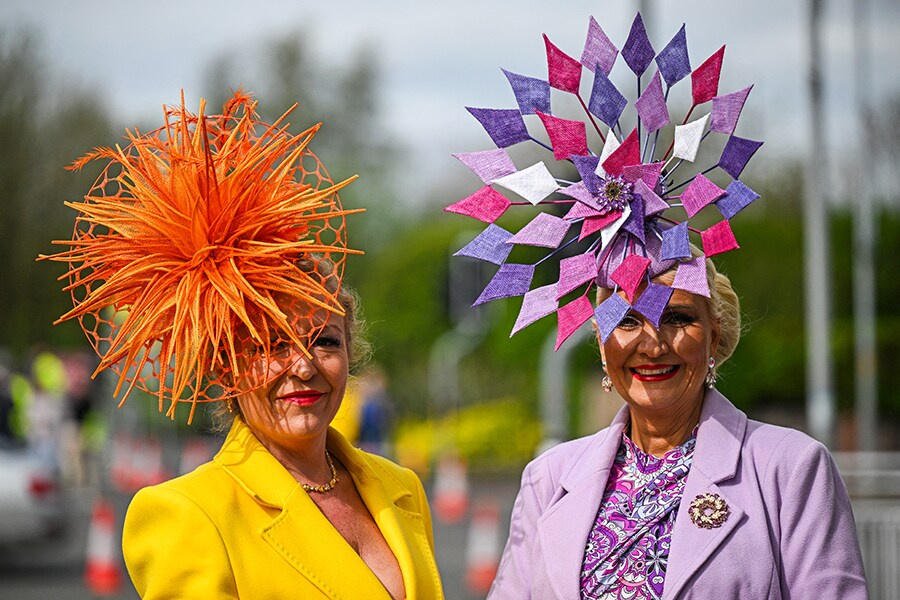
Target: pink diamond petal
(700, 192)
(574, 271)
(572, 316)
(487, 204)
(566, 137)
(594, 224)
(564, 71)
(580, 209)
(630, 273)
(718, 239)
(629, 153)
(648, 173)
(705, 78)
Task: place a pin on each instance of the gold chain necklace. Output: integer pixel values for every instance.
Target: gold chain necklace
(321, 489)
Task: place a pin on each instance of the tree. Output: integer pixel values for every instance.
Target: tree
(44, 125)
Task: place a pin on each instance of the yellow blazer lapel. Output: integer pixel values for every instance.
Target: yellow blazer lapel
(298, 531)
(394, 509)
(308, 541)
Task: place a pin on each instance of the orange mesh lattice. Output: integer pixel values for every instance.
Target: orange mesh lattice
(185, 239)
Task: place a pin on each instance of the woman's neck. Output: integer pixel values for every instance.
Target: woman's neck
(656, 433)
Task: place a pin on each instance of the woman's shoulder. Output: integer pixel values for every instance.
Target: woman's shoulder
(206, 481)
(553, 463)
(780, 453)
(769, 438)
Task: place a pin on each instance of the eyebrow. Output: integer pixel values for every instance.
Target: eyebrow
(681, 307)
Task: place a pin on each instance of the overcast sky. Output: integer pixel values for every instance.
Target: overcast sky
(438, 57)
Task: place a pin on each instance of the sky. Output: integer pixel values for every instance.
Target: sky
(439, 57)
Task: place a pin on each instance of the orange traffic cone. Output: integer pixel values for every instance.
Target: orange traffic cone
(101, 573)
(483, 547)
(451, 489)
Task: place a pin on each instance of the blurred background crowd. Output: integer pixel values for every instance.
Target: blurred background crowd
(447, 393)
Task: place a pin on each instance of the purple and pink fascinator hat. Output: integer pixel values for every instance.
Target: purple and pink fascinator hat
(626, 217)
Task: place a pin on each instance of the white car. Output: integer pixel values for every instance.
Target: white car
(30, 497)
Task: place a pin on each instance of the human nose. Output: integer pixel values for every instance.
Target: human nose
(652, 342)
(304, 368)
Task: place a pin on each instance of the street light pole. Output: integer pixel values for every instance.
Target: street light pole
(820, 404)
(864, 235)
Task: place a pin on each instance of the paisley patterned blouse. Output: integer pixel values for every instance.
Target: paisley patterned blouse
(628, 547)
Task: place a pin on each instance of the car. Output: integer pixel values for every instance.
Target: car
(31, 506)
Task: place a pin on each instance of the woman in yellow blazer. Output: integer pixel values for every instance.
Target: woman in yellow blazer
(218, 243)
(241, 526)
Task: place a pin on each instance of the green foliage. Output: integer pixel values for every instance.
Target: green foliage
(43, 128)
(494, 435)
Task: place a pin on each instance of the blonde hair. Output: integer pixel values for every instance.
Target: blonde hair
(723, 302)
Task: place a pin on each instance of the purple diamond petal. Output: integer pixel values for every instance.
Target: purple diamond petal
(691, 277)
(737, 197)
(653, 204)
(609, 314)
(487, 164)
(490, 245)
(675, 243)
(536, 304)
(652, 302)
(606, 102)
(544, 230)
(673, 61)
(637, 51)
(587, 169)
(505, 125)
(574, 271)
(510, 280)
(532, 94)
(737, 153)
(726, 110)
(651, 106)
(635, 223)
(599, 51)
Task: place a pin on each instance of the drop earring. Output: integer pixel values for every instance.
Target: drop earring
(711, 373)
(606, 382)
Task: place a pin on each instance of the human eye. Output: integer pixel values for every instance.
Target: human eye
(328, 341)
(678, 318)
(629, 321)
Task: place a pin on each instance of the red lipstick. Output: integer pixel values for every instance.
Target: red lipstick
(303, 397)
(654, 372)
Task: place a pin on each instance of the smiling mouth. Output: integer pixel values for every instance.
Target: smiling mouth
(654, 372)
(305, 398)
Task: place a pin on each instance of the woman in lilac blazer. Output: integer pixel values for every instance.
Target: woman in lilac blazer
(682, 496)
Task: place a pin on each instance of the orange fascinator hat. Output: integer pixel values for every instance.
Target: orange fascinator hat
(188, 244)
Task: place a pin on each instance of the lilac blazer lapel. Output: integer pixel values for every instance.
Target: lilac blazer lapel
(716, 459)
(563, 529)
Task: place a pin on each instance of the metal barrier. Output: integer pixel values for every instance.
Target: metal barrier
(873, 480)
